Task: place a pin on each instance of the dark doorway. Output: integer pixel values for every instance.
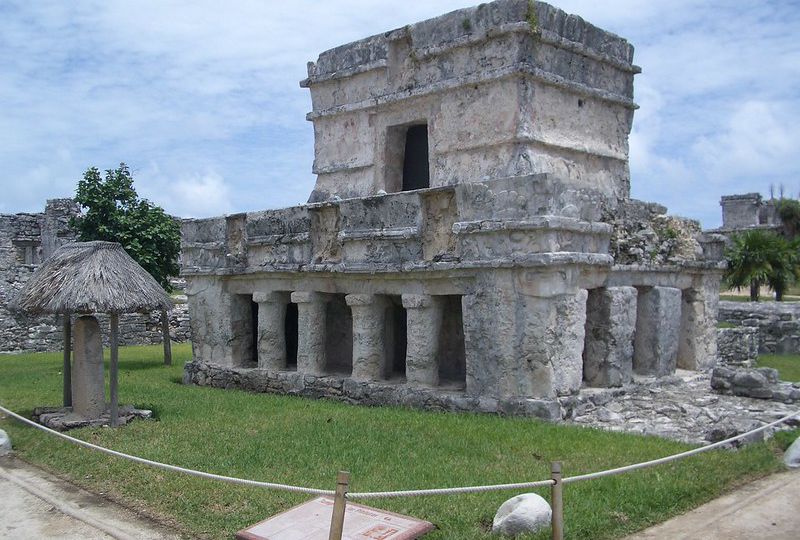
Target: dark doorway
(396, 339)
(290, 335)
(338, 337)
(452, 352)
(416, 172)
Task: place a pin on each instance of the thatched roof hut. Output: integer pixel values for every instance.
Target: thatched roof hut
(90, 277)
(86, 278)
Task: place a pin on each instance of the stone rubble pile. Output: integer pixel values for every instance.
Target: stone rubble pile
(760, 383)
(679, 407)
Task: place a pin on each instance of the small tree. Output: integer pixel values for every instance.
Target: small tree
(789, 212)
(112, 211)
(759, 257)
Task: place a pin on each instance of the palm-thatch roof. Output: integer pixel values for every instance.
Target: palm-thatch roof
(90, 277)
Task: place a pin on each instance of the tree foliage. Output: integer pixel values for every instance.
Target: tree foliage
(113, 211)
(789, 212)
(759, 257)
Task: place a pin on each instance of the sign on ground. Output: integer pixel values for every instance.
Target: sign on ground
(311, 521)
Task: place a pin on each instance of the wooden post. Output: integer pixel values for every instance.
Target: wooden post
(165, 336)
(339, 504)
(114, 323)
(67, 371)
(556, 501)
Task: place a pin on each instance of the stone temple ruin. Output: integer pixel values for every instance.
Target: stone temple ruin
(471, 243)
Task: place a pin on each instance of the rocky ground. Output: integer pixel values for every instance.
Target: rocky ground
(682, 407)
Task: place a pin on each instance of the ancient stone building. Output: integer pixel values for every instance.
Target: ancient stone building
(749, 210)
(470, 243)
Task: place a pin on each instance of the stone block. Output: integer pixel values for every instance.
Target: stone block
(88, 387)
(658, 318)
(610, 326)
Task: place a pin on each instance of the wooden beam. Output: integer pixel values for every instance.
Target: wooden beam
(67, 370)
(114, 323)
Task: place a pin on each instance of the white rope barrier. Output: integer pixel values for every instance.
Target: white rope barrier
(158, 465)
(406, 493)
(448, 491)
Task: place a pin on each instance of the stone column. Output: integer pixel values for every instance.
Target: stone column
(88, 387)
(311, 332)
(610, 326)
(271, 345)
(697, 346)
(658, 319)
(369, 329)
(424, 323)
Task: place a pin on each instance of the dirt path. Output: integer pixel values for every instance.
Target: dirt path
(35, 504)
(767, 509)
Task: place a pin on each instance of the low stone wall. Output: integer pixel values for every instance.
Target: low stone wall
(362, 393)
(778, 323)
(737, 346)
(761, 383)
(19, 333)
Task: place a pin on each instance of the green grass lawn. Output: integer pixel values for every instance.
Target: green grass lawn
(305, 442)
(788, 365)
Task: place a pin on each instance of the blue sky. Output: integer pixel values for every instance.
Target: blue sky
(201, 98)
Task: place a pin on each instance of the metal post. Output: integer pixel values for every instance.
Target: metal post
(339, 503)
(67, 361)
(114, 324)
(556, 501)
(165, 336)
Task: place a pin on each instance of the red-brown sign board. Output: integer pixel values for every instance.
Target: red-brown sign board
(312, 520)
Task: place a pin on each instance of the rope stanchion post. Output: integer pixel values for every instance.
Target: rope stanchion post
(339, 505)
(557, 501)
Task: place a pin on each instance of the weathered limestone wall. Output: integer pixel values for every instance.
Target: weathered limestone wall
(28, 239)
(544, 92)
(778, 323)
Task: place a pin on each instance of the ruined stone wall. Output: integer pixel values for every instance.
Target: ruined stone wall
(778, 323)
(737, 346)
(26, 240)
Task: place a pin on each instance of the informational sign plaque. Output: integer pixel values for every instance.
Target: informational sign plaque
(312, 520)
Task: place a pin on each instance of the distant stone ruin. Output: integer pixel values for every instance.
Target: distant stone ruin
(26, 240)
(470, 243)
(748, 211)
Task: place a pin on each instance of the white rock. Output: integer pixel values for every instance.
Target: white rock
(5, 443)
(522, 514)
(792, 456)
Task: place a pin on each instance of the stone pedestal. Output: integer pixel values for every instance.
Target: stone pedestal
(424, 320)
(697, 346)
(271, 344)
(369, 329)
(610, 326)
(311, 326)
(658, 319)
(88, 386)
